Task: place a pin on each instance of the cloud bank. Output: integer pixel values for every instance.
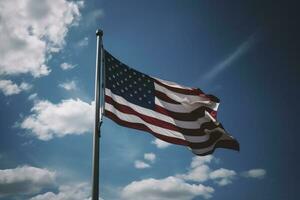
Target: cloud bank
(49, 120)
(25, 180)
(7, 87)
(30, 30)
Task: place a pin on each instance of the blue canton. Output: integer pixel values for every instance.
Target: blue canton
(134, 86)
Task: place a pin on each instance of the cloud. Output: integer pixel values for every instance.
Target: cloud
(255, 173)
(230, 59)
(49, 120)
(79, 191)
(223, 176)
(66, 66)
(25, 180)
(7, 87)
(170, 188)
(199, 170)
(70, 85)
(150, 157)
(141, 165)
(33, 97)
(31, 30)
(83, 42)
(160, 144)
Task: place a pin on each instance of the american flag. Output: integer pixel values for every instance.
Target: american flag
(171, 112)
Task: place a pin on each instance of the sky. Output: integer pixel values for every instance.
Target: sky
(244, 52)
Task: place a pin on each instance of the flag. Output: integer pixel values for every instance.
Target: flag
(171, 112)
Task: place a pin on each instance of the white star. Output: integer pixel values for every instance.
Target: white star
(149, 91)
(145, 95)
(109, 78)
(131, 95)
(122, 81)
(149, 102)
(140, 89)
(135, 92)
(134, 82)
(140, 98)
(114, 86)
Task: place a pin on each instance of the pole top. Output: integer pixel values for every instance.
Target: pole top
(99, 32)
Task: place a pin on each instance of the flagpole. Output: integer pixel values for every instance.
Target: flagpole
(98, 116)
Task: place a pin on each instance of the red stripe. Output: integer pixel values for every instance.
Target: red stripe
(213, 136)
(165, 97)
(160, 123)
(192, 91)
(143, 127)
(191, 116)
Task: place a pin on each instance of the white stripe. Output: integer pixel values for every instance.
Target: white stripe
(211, 147)
(191, 102)
(183, 124)
(173, 84)
(161, 131)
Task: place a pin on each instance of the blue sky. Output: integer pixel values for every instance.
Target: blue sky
(245, 53)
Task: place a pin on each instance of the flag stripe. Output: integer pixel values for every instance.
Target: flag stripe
(198, 147)
(189, 116)
(181, 123)
(165, 97)
(205, 123)
(130, 118)
(186, 91)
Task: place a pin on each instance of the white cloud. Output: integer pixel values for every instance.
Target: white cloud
(222, 176)
(80, 191)
(229, 60)
(200, 160)
(198, 174)
(150, 157)
(141, 165)
(25, 180)
(30, 30)
(83, 42)
(160, 144)
(10, 88)
(255, 173)
(70, 85)
(170, 188)
(50, 120)
(33, 97)
(198, 171)
(66, 66)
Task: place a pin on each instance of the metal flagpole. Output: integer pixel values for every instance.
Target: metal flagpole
(98, 115)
